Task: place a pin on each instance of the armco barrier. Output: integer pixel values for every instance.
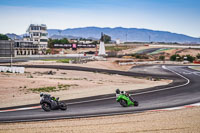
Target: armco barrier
(12, 69)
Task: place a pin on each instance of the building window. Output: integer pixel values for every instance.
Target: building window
(43, 34)
(35, 34)
(43, 40)
(43, 28)
(35, 28)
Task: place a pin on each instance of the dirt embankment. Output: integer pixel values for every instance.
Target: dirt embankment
(175, 121)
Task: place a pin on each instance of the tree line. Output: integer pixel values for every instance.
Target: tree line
(3, 37)
(51, 42)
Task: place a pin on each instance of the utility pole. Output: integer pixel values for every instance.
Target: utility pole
(11, 52)
(126, 36)
(149, 38)
(199, 41)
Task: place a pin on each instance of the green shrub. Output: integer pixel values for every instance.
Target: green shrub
(140, 56)
(44, 89)
(190, 58)
(58, 60)
(175, 57)
(162, 57)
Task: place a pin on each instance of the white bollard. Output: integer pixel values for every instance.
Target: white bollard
(9, 69)
(21, 70)
(12, 69)
(1, 69)
(5, 69)
(17, 69)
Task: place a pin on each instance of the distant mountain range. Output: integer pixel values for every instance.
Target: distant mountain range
(124, 34)
(13, 36)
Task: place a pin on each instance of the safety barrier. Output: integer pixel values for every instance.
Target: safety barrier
(12, 69)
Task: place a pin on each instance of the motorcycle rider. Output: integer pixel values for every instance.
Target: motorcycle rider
(49, 102)
(118, 93)
(47, 95)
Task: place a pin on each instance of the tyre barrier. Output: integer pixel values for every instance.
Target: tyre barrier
(12, 69)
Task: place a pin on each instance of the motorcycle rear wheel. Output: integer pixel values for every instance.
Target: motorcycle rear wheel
(63, 106)
(136, 103)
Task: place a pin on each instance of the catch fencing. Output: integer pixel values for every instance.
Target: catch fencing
(6, 48)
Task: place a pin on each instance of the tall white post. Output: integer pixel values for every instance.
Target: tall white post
(102, 51)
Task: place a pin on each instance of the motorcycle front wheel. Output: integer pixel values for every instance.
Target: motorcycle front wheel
(46, 107)
(123, 103)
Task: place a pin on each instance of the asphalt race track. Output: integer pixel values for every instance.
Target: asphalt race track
(184, 90)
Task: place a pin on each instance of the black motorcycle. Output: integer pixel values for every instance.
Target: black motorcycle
(49, 103)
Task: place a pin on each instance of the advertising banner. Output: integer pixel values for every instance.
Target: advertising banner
(74, 46)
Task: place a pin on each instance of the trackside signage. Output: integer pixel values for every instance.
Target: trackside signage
(74, 45)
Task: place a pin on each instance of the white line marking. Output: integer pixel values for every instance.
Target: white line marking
(190, 72)
(18, 109)
(196, 104)
(174, 108)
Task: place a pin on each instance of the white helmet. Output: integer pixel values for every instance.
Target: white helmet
(41, 94)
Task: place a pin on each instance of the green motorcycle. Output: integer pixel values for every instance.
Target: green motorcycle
(126, 100)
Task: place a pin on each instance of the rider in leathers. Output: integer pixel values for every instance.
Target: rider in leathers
(118, 93)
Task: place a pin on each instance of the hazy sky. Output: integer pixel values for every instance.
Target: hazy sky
(179, 16)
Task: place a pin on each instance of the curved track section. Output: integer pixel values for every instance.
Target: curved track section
(184, 90)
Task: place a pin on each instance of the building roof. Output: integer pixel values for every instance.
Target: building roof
(42, 25)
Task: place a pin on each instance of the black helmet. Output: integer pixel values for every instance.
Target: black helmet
(117, 91)
(41, 94)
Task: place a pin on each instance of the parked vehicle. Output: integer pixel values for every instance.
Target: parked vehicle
(49, 103)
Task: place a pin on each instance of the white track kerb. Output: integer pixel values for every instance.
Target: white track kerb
(168, 88)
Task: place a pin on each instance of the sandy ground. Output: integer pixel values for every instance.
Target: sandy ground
(175, 121)
(192, 52)
(15, 88)
(110, 63)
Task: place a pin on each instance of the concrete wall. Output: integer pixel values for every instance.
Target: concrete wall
(6, 48)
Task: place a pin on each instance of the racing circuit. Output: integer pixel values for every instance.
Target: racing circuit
(184, 90)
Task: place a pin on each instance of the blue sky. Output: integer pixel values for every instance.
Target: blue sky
(179, 16)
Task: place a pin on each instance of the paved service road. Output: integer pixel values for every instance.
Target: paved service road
(148, 51)
(25, 59)
(184, 90)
